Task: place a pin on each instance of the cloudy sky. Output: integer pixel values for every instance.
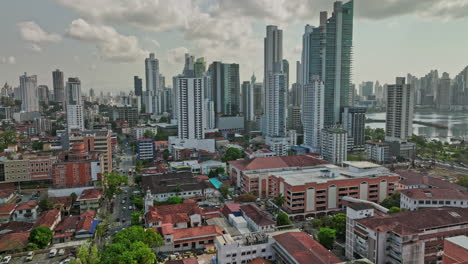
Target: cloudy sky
(104, 42)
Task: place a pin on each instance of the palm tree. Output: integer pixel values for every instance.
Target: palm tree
(280, 200)
(178, 189)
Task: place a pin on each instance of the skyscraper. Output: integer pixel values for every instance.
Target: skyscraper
(334, 145)
(327, 51)
(313, 107)
(153, 89)
(367, 88)
(28, 93)
(444, 92)
(225, 88)
(275, 83)
(400, 111)
(58, 86)
(189, 70)
(191, 108)
(199, 67)
(248, 99)
(353, 120)
(74, 105)
(43, 93)
(138, 85)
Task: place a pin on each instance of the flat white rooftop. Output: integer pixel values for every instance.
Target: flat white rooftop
(462, 241)
(362, 164)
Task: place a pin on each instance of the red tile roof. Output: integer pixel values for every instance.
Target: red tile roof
(415, 178)
(403, 223)
(304, 249)
(435, 193)
(68, 224)
(277, 162)
(64, 201)
(27, 206)
(261, 218)
(260, 261)
(232, 207)
(89, 213)
(7, 208)
(84, 224)
(90, 194)
(47, 218)
(16, 227)
(192, 232)
(13, 241)
(172, 214)
(167, 229)
(5, 193)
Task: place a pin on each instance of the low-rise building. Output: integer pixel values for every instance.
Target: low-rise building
(164, 186)
(260, 153)
(145, 149)
(252, 175)
(49, 218)
(301, 248)
(187, 214)
(7, 195)
(405, 237)
(415, 180)
(26, 212)
(455, 250)
(139, 132)
(413, 199)
(257, 220)
(377, 151)
(90, 200)
(187, 239)
(334, 145)
(6, 212)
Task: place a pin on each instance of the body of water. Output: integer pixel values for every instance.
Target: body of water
(457, 123)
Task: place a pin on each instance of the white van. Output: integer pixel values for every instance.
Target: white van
(52, 253)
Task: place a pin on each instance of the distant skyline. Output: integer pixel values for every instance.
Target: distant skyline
(104, 42)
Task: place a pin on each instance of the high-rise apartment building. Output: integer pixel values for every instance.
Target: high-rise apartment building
(327, 52)
(153, 85)
(400, 111)
(334, 144)
(444, 92)
(248, 99)
(58, 86)
(353, 120)
(138, 85)
(190, 105)
(313, 113)
(366, 89)
(74, 106)
(43, 94)
(225, 88)
(275, 83)
(28, 92)
(199, 67)
(189, 69)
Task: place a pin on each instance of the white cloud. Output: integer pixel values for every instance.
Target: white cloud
(176, 55)
(34, 47)
(111, 45)
(156, 15)
(8, 60)
(30, 31)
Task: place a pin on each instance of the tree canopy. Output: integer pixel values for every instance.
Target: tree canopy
(232, 154)
(280, 200)
(175, 200)
(7, 138)
(41, 236)
(339, 224)
(114, 181)
(245, 198)
(326, 237)
(224, 190)
(463, 181)
(282, 219)
(392, 201)
(393, 210)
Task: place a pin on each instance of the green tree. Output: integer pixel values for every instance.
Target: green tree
(37, 145)
(327, 236)
(463, 181)
(32, 247)
(113, 182)
(138, 202)
(73, 196)
(316, 223)
(280, 200)
(212, 174)
(393, 210)
(41, 236)
(339, 224)
(220, 170)
(392, 201)
(135, 218)
(175, 200)
(7, 138)
(46, 204)
(282, 219)
(163, 119)
(232, 154)
(148, 134)
(224, 190)
(166, 154)
(88, 254)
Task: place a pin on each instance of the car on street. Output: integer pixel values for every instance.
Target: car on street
(130, 207)
(61, 252)
(124, 208)
(6, 259)
(52, 253)
(65, 261)
(309, 218)
(30, 256)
